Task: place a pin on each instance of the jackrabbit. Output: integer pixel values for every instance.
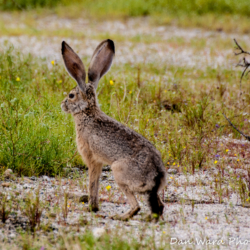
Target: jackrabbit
(135, 163)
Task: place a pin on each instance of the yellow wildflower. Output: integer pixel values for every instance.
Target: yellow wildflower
(108, 187)
(174, 163)
(227, 150)
(52, 62)
(59, 81)
(235, 154)
(238, 159)
(83, 203)
(184, 147)
(165, 91)
(130, 92)
(205, 218)
(164, 232)
(18, 79)
(111, 82)
(215, 162)
(171, 177)
(168, 162)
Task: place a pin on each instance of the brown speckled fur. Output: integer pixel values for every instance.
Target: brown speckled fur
(135, 162)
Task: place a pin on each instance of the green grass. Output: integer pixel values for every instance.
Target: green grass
(112, 241)
(38, 138)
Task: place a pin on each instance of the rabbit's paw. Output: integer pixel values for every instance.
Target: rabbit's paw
(127, 215)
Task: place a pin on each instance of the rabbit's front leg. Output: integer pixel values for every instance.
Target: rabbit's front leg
(94, 175)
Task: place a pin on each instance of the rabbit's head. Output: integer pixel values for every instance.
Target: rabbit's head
(82, 99)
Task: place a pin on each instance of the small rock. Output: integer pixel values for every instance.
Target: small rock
(84, 198)
(46, 178)
(12, 236)
(104, 177)
(33, 178)
(25, 179)
(6, 184)
(7, 174)
(26, 186)
(106, 168)
(172, 171)
(98, 232)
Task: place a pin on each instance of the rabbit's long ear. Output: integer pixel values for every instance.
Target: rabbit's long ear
(74, 65)
(101, 61)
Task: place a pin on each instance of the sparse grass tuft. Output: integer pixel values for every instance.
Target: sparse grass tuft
(33, 208)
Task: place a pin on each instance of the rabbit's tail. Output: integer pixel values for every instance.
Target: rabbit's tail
(154, 200)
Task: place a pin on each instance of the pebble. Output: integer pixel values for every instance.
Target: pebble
(25, 179)
(172, 171)
(106, 168)
(12, 236)
(98, 232)
(26, 186)
(104, 177)
(6, 184)
(46, 178)
(7, 174)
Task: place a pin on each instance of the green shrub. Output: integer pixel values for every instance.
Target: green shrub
(36, 137)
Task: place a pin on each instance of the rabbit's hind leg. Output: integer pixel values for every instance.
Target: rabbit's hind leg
(156, 206)
(119, 172)
(135, 208)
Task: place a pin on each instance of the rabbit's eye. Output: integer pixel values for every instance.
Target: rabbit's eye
(71, 96)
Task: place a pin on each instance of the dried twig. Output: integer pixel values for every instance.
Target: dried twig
(231, 124)
(244, 63)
